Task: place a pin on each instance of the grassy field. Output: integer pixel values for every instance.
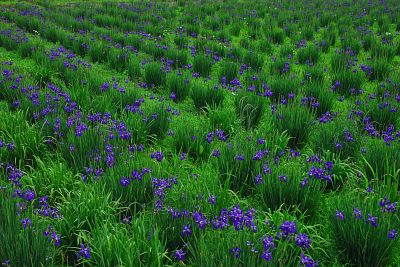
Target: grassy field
(213, 133)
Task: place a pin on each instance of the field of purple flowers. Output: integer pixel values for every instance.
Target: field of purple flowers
(220, 133)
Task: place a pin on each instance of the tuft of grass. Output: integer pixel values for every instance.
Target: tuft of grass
(157, 121)
(154, 74)
(221, 118)
(282, 87)
(190, 137)
(229, 70)
(289, 192)
(309, 54)
(380, 69)
(179, 85)
(350, 41)
(331, 137)
(381, 113)
(359, 241)
(202, 64)
(323, 95)
(133, 68)
(350, 82)
(180, 41)
(179, 57)
(277, 35)
(254, 60)
(380, 50)
(249, 109)
(263, 45)
(314, 73)
(33, 247)
(83, 211)
(382, 162)
(296, 120)
(117, 244)
(235, 163)
(28, 139)
(206, 96)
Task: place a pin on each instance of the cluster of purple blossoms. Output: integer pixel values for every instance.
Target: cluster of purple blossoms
(387, 206)
(310, 101)
(104, 87)
(14, 175)
(339, 215)
(390, 135)
(243, 67)
(219, 134)
(235, 217)
(80, 129)
(53, 237)
(110, 156)
(135, 107)
(326, 117)
(84, 252)
(369, 127)
(259, 179)
(288, 229)
(349, 137)
(160, 185)
(91, 171)
(392, 234)
(357, 213)
(269, 246)
(183, 156)
(135, 176)
(366, 69)
(267, 90)
(186, 230)
(372, 220)
(303, 241)
(212, 199)
(304, 182)
(236, 252)
(239, 157)
(43, 208)
(157, 155)
(10, 146)
(26, 222)
(179, 255)
(286, 67)
(260, 154)
(335, 85)
(307, 261)
(320, 173)
(216, 153)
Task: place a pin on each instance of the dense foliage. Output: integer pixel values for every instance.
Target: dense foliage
(169, 133)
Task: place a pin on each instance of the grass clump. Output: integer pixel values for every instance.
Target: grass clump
(249, 109)
(202, 64)
(206, 96)
(154, 74)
